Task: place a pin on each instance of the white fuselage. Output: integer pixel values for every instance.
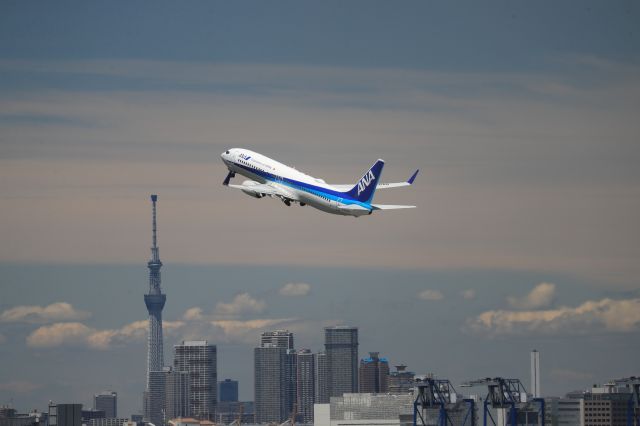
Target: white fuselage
(294, 185)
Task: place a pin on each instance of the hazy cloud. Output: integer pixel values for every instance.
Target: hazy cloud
(60, 311)
(75, 333)
(572, 375)
(243, 303)
(2, 338)
(295, 289)
(469, 294)
(592, 316)
(431, 295)
(58, 334)
(248, 331)
(19, 386)
(540, 297)
(192, 314)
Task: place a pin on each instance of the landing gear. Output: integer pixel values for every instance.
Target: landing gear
(287, 202)
(228, 178)
(303, 204)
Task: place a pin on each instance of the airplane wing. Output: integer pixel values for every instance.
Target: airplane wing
(390, 207)
(266, 189)
(408, 182)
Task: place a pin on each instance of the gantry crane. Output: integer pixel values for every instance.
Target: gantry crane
(506, 394)
(633, 407)
(439, 394)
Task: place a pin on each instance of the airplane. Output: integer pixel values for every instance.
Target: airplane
(274, 179)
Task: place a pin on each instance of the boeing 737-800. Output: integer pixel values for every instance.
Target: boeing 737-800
(274, 179)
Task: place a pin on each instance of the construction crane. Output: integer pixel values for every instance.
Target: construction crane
(439, 394)
(506, 394)
(633, 407)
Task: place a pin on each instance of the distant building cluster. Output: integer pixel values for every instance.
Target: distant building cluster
(331, 387)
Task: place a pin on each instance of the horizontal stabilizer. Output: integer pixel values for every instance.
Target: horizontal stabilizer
(390, 207)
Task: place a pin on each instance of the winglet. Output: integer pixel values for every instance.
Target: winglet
(413, 177)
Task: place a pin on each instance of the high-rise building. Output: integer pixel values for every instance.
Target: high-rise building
(154, 300)
(65, 414)
(277, 338)
(401, 380)
(178, 393)
(199, 359)
(275, 377)
(155, 398)
(305, 386)
(535, 374)
(341, 347)
(374, 374)
(106, 401)
(322, 383)
(228, 390)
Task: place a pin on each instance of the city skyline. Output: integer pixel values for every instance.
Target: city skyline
(520, 116)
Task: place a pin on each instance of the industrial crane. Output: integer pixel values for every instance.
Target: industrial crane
(633, 407)
(439, 394)
(506, 394)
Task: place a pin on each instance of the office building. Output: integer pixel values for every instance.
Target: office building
(401, 380)
(341, 347)
(178, 394)
(108, 402)
(305, 384)
(65, 414)
(365, 409)
(111, 421)
(155, 397)
(322, 383)
(374, 374)
(87, 415)
(228, 390)
(154, 300)
(277, 338)
(275, 377)
(199, 359)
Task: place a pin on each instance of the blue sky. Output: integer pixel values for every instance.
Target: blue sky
(521, 116)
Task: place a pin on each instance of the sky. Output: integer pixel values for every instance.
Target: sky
(521, 116)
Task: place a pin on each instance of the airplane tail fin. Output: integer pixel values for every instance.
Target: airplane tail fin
(365, 188)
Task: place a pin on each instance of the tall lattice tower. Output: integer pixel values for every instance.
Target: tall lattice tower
(155, 300)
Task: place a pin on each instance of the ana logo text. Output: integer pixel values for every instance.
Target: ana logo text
(365, 181)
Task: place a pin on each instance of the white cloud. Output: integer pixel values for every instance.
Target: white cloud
(60, 311)
(590, 317)
(19, 386)
(540, 297)
(431, 295)
(295, 289)
(469, 294)
(247, 331)
(78, 334)
(193, 314)
(58, 334)
(243, 303)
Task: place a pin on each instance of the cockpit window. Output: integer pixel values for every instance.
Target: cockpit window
(227, 152)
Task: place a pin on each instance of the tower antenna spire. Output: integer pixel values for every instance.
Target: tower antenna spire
(154, 198)
(154, 300)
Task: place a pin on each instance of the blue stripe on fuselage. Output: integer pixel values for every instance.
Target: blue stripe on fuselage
(337, 196)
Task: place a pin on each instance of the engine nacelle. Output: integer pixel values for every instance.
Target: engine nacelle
(248, 184)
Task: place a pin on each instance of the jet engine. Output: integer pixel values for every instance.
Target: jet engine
(247, 190)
